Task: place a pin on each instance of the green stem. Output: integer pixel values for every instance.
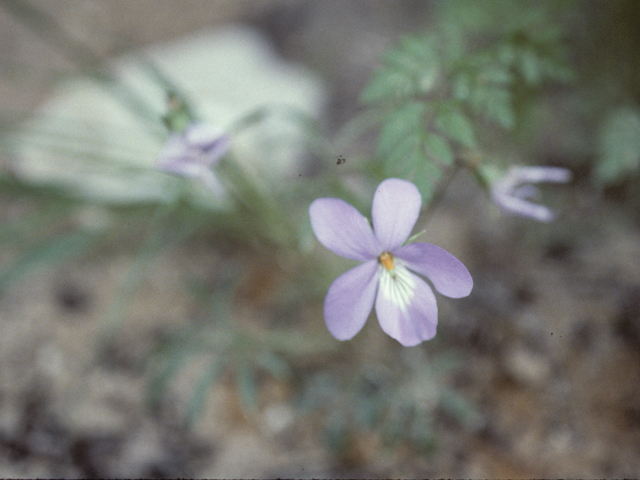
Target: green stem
(439, 194)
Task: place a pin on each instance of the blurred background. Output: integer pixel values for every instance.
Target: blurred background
(147, 331)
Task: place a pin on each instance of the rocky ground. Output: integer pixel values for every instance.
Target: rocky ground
(550, 334)
(550, 338)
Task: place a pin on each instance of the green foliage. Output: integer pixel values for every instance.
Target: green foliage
(460, 408)
(619, 146)
(409, 69)
(434, 93)
(223, 348)
(202, 387)
(47, 252)
(479, 65)
(219, 347)
(455, 125)
(400, 406)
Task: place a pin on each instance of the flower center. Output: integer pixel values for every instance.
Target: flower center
(386, 260)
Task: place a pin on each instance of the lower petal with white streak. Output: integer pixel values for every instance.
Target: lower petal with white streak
(409, 318)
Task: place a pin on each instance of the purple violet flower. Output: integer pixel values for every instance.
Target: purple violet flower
(405, 305)
(511, 192)
(193, 152)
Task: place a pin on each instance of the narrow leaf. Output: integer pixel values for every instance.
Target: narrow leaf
(456, 126)
(160, 381)
(407, 118)
(386, 84)
(47, 252)
(246, 384)
(438, 147)
(201, 391)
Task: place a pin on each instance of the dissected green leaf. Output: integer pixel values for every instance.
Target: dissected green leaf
(408, 118)
(386, 84)
(619, 146)
(479, 81)
(439, 148)
(408, 152)
(462, 86)
(557, 70)
(457, 126)
(497, 105)
(496, 74)
(530, 67)
(412, 56)
(420, 48)
(426, 177)
(408, 70)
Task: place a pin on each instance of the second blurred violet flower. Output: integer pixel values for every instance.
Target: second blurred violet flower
(512, 192)
(194, 152)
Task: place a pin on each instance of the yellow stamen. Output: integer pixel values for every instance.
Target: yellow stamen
(386, 259)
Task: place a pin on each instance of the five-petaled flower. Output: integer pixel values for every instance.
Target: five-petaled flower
(512, 191)
(193, 152)
(405, 305)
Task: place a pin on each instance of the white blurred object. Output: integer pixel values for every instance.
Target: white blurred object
(87, 141)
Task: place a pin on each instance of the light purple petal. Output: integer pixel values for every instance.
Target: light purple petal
(179, 167)
(205, 144)
(540, 174)
(343, 230)
(511, 191)
(395, 210)
(448, 275)
(518, 206)
(350, 299)
(416, 322)
(198, 146)
(527, 191)
(171, 153)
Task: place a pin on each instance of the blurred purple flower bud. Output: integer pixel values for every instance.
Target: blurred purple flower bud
(405, 304)
(193, 152)
(512, 191)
